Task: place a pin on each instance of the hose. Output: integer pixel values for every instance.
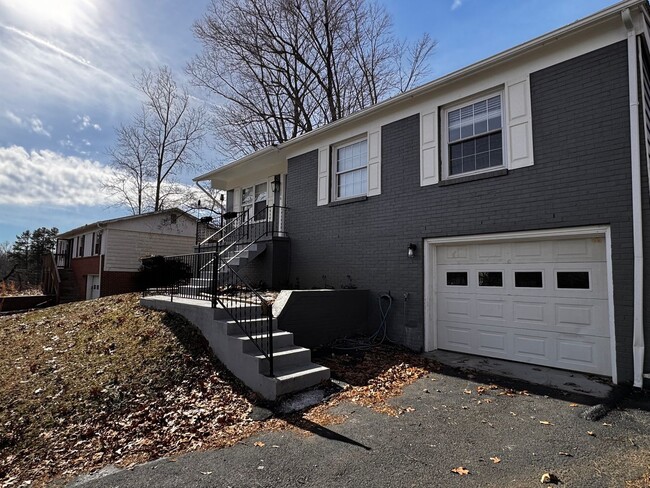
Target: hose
(378, 337)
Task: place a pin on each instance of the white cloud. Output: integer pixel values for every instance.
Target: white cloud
(13, 118)
(36, 126)
(50, 178)
(456, 4)
(84, 121)
(33, 123)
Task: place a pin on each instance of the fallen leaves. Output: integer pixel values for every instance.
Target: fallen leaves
(153, 389)
(460, 471)
(591, 433)
(259, 444)
(546, 422)
(549, 478)
(495, 459)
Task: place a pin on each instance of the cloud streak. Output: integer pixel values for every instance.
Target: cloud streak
(456, 4)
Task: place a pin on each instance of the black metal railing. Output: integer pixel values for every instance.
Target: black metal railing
(246, 307)
(206, 227)
(183, 276)
(230, 227)
(210, 275)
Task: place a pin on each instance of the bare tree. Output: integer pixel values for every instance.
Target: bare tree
(284, 67)
(161, 141)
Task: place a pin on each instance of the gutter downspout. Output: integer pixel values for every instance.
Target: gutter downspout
(638, 345)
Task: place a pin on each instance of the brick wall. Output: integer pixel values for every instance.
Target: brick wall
(116, 282)
(581, 176)
(81, 268)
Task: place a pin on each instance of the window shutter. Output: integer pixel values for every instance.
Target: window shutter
(374, 161)
(520, 133)
(429, 148)
(236, 204)
(323, 197)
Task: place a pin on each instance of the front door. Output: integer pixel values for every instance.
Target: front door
(92, 287)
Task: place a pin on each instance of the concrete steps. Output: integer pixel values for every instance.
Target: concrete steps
(293, 368)
(236, 258)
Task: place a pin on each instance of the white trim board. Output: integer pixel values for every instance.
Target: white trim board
(430, 266)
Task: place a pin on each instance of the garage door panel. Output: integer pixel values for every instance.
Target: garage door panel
(487, 309)
(551, 325)
(493, 342)
(530, 312)
(456, 337)
(531, 347)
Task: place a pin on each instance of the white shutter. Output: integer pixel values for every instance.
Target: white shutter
(374, 161)
(323, 196)
(520, 134)
(236, 204)
(429, 148)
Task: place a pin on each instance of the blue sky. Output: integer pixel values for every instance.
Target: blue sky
(68, 67)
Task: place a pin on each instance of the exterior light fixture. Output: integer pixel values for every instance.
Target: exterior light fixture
(275, 184)
(411, 250)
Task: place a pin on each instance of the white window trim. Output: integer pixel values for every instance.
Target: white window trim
(444, 122)
(335, 173)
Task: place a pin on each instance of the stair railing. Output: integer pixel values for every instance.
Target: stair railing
(51, 279)
(243, 303)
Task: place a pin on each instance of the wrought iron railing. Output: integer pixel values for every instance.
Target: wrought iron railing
(206, 228)
(211, 276)
(246, 307)
(182, 276)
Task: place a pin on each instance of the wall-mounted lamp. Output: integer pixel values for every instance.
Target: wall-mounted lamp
(275, 184)
(411, 250)
(222, 197)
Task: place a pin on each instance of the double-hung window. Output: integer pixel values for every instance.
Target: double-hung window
(474, 137)
(253, 199)
(350, 162)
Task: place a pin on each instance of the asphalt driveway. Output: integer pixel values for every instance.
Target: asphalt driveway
(503, 437)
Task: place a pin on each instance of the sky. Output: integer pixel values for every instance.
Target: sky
(67, 71)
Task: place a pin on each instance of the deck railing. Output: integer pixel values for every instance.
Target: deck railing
(51, 279)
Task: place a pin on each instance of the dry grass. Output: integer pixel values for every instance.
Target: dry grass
(108, 382)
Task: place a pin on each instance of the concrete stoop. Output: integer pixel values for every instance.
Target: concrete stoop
(293, 369)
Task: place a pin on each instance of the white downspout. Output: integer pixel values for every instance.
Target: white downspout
(638, 345)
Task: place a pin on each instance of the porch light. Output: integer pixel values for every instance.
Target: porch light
(411, 250)
(275, 184)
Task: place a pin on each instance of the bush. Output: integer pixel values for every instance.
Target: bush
(161, 272)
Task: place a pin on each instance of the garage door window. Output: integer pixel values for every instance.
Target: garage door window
(529, 279)
(457, 278)
(490, 278)
(573, 279)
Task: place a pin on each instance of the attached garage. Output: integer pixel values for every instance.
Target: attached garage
(540, 298)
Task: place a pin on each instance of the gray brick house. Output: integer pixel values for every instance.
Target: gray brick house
(505, 207)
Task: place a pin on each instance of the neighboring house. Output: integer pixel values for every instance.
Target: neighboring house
(103, 258)
(505, 207)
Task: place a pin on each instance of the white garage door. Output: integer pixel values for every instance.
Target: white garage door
(542, 302)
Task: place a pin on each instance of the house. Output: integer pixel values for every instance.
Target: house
(103, 258)
(502, 210)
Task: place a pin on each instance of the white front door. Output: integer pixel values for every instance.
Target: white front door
(542, 301)
(92, 287)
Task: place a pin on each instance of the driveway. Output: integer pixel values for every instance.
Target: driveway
(503, 437)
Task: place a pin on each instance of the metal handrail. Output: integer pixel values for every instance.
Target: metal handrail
(221, 229)
(266, 312)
